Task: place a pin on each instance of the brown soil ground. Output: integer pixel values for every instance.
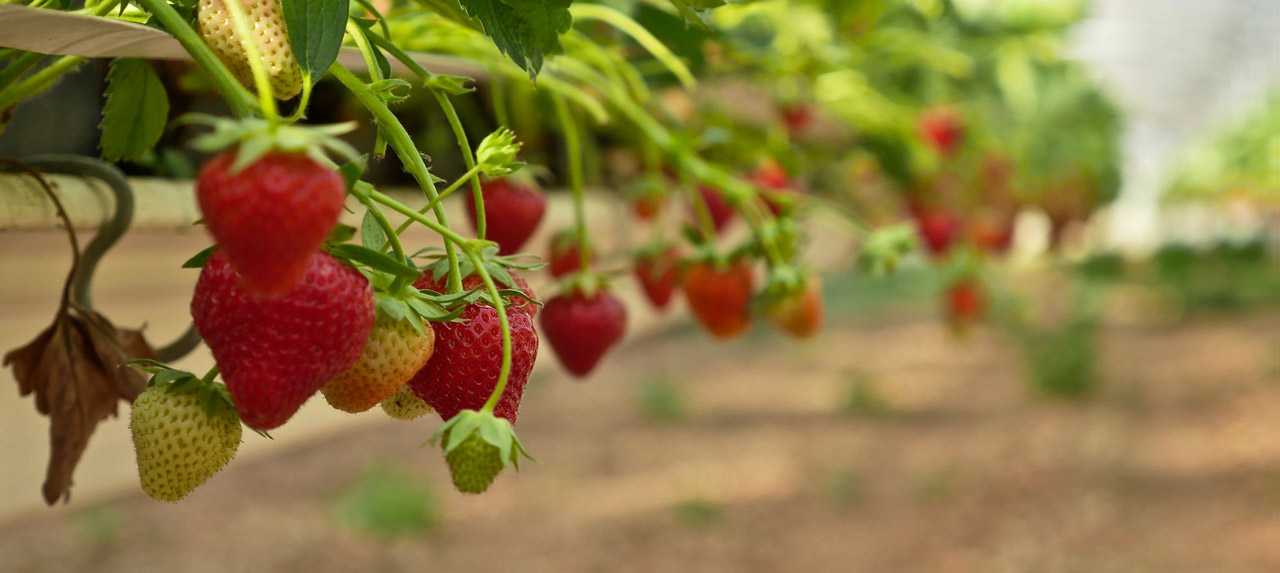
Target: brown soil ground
(1173, 466)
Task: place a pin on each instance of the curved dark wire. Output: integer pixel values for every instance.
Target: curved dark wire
(108, 234)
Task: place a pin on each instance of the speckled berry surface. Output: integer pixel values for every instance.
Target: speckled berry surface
(267, 22)
(178, 445)
(392, 355)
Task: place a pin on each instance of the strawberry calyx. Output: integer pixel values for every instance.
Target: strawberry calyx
(478, 428)
(255, 138)
(213, 396)
(498, 266)
(496, 155)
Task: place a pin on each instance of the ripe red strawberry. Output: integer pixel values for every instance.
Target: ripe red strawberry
(392, 355)
(801, 313)
(512, 210)
(938, 228)
(464, 368)
(779, 191)
(717, 206)
(798, 117)
(720, 298)
(566, 256)
(941, 128)
(582, 328)
(965, 302)
(267, 22)
(269, 218)
(658, 273)
(472, 281)
(274, 354)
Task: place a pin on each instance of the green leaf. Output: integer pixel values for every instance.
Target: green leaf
(374, 260)
(688, 9)
(525, 30)
(371, 233)
(199, 260)
(136, 111)
(315, 30)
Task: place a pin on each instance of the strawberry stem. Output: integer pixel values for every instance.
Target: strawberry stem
(467, 155)
(498, 96)
(408, 153)
(573, 149)
(262, 81)
(241, 102)
(39, 81)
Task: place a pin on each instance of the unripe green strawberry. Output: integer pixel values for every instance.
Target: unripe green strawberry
(405, 405)
(474, 464)
(265, 18)
(179, 444)
(478, 446)
(394, 352)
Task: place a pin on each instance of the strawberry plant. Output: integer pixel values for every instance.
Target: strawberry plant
(292, 303)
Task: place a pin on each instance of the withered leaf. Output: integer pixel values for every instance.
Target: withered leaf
(73, 367)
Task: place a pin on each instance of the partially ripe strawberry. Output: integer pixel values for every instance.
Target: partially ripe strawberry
(566, 254)
(405, 405)
(267, 22)
(464, 368)
(473, 281)
(179, 444)
(274, 354)
(269, 218)
(717, 207)
(658, 274)
(992, 232)
(941, 128)
(801, 313)
(582, 328)
(720, 298)
(392, 355)
(646, 207)
(966, 302)
(512, 210)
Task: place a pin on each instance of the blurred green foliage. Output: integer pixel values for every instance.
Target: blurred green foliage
(388, 501)
(660, 400)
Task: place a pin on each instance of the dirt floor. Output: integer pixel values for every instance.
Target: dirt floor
(687, 455)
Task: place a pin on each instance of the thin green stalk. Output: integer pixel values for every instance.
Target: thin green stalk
(20, 66)
(249, 42)
(393, 239)
(40, 80)
(375, 72)
(639, 34)
(441, 197)
(573, 148)
(241, 102)
(468, 156)
(498, 94)
(398, 138)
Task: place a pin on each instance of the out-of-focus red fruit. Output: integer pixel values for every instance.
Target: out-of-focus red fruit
(566, 254)
(941, 128)
(992, 232)
(966, 302)
(800, 314)
(717, 206)
(512, 211)
(646, 207)
(798, 117)
(778, 190)
(658, 274)
(938, 228)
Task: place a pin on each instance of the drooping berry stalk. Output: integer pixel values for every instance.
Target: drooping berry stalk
(398, 138)
(573, 148)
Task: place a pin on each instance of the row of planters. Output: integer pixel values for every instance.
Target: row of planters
(725, 127)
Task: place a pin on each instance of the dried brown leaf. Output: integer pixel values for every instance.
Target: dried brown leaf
(73, 368)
